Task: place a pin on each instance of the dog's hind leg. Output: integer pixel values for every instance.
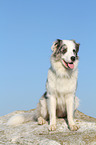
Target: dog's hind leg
(41, 114)
(41, 120)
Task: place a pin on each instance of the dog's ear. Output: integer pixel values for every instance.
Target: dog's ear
(73, 40)
(77, 47)
(55, 45)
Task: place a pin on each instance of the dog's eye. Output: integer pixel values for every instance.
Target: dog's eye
(65, 50)
(74, 50)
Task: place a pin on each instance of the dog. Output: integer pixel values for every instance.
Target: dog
(59, 100)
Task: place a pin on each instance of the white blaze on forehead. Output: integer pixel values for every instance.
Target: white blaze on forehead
(70, 44)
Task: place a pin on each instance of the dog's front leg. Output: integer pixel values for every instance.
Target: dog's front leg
(70, 111)
(51, 102)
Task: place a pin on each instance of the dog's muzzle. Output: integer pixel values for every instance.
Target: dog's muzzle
(68, 65)
(73, 58)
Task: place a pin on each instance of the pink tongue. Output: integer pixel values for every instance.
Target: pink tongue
(71, 65)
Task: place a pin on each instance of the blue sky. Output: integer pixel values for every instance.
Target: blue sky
(27, 30)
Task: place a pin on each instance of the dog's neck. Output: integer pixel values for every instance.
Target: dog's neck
(61, 71)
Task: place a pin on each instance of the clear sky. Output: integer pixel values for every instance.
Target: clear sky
(27, 30)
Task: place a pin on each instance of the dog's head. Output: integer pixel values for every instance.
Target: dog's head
(65, 51)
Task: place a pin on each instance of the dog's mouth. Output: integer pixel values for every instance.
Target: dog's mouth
(67, 64)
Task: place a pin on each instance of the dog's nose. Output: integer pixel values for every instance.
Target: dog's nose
(73, 58)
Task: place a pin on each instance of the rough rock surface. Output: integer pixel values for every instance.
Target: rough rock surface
(31, 133)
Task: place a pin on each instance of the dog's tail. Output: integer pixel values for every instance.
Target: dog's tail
(20, 119)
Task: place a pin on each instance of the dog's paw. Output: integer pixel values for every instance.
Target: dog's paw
(52, 127)
(74, 127)
(41, 121)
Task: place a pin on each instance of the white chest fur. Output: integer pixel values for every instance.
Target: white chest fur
(61, 85)
(60, 80)
(65, 85)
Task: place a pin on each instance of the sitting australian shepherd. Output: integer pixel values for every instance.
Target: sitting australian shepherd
(59, 100)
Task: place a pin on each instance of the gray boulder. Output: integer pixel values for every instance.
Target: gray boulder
(30, 133)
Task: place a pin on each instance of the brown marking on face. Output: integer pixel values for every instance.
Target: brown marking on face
(77, 47)
(59, 48)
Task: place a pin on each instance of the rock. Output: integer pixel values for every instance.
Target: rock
(30, 133)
